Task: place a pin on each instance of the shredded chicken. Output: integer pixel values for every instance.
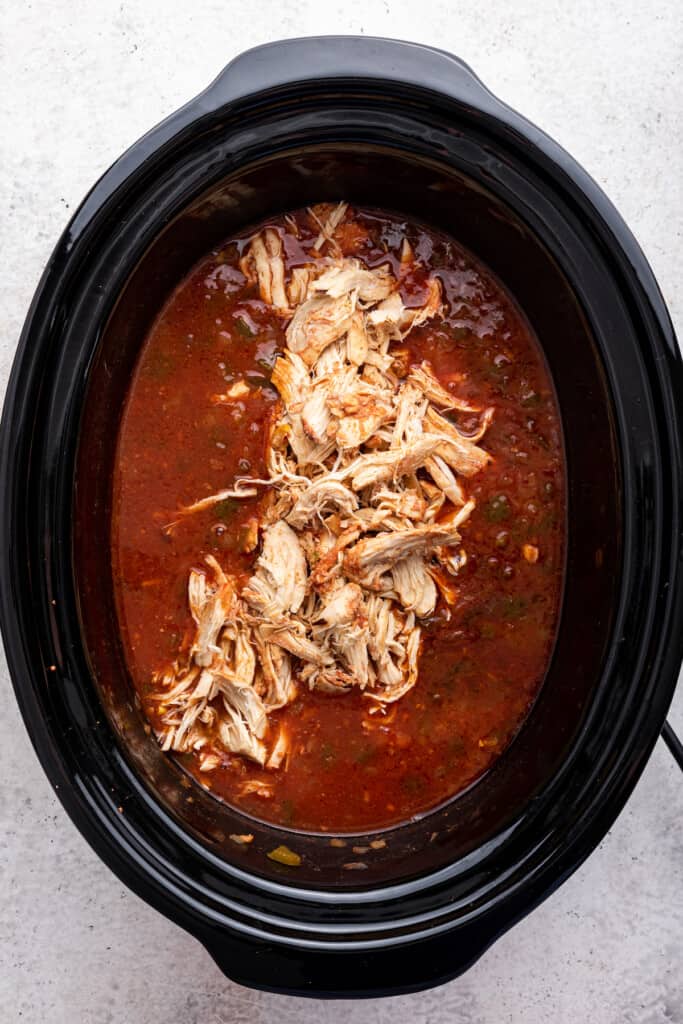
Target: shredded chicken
(328, 218)
(264, 263)
(279, 584)
(359, 532)
(317, 323)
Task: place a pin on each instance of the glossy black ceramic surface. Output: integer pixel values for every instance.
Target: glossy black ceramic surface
(391, 125)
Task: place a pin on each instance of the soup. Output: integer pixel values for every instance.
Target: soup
(338, 520)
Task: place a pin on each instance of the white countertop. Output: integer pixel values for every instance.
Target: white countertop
(79, 82)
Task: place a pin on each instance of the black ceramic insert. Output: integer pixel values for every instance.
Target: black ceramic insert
(412, 129)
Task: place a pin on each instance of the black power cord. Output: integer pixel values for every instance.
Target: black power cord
(673, 743)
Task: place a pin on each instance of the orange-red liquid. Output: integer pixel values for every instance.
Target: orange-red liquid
(482, 662)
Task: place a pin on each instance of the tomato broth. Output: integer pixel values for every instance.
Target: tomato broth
(482, 658)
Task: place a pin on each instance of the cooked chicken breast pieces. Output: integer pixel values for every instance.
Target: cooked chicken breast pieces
(360, 531)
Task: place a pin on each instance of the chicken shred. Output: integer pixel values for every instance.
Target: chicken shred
(359, 534)
(264, 263)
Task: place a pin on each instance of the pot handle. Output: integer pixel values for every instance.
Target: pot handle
(353, 974)
(273, 66)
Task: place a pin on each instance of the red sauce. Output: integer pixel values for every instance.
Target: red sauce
(482, 661)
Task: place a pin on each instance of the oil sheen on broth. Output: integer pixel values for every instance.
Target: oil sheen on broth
(357, 636)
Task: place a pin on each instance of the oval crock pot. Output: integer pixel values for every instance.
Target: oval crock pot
(410, 128)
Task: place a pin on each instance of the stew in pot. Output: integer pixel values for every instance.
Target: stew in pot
(338, 520)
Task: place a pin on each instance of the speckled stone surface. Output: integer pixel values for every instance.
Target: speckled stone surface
(80, 81)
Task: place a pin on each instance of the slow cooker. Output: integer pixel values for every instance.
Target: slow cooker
(409, 128)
